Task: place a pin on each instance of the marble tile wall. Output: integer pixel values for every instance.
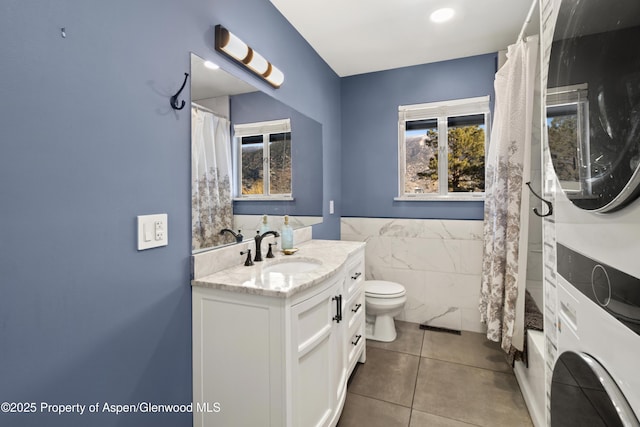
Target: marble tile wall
(439, 262)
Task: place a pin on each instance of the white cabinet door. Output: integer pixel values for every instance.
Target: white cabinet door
(237, 359)
(316, 358)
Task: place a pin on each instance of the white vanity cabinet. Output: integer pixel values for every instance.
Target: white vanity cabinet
(318, 367)
(278, 360)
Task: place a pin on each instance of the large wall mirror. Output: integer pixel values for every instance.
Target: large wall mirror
(593, 103)
(251, 155)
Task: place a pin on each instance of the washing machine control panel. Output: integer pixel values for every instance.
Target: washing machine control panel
(612, 290)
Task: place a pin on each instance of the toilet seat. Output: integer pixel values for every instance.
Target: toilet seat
(383, 289)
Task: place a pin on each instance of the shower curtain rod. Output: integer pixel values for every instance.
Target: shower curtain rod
(200, 107)
(534, 3)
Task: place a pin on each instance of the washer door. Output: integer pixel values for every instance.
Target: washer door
(583, 394)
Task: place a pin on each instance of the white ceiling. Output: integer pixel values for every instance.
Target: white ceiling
(362, 36)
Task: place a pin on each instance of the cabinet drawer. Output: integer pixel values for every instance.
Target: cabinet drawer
(353, 311)
(355, 329)
(355, 345)
(355, 275)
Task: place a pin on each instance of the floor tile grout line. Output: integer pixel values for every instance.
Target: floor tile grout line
(378, 399)
(395, 351)
(415, 384)
(511, 372)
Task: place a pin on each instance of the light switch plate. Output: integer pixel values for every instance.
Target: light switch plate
(153, 231)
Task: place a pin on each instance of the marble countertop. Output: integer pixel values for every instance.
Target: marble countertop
(253, 280)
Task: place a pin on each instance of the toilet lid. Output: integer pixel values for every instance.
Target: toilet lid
(383, 289)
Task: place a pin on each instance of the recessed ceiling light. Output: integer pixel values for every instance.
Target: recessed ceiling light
(442, 15)
(210, 65)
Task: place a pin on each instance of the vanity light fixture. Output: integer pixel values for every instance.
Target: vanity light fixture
(442, 15)
(229, 44)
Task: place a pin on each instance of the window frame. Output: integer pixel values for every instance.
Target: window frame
(441, 111)
(264, 129)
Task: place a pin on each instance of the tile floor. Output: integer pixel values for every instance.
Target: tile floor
(434, 379)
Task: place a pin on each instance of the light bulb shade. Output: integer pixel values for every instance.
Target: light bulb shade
(275, 76)
(256, 62)
(230, 44)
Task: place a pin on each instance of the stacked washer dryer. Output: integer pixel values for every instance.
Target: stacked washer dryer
(593, 120)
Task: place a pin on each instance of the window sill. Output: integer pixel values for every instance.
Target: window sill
(264, 199)
(475, 197)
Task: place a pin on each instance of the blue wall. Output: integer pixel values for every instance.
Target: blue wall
(370, 133)
(306, 155)
(88, 141)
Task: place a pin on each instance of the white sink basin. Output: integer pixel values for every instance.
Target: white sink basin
(293, 266)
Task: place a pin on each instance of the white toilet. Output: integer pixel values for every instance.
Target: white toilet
(383, 301)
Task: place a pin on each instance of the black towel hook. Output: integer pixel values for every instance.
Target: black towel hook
(174, 98)
(548, 203)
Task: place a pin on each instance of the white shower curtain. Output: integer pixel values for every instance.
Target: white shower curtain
(210, 179)
(506, 207)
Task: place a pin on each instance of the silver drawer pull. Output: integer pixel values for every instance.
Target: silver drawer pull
(355, 310)
(357, 340)
(355, 276)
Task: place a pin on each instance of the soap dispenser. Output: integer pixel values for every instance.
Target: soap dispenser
(286, 236)
(265, 225)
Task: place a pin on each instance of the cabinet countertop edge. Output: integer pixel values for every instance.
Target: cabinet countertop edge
(253, 280)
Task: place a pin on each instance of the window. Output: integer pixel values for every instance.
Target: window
(567, 127)
(441, 149)
(263, 159)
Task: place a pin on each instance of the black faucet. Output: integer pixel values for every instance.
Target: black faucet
(270, 252)
(239, 237)
(248, 261)
(259, 238)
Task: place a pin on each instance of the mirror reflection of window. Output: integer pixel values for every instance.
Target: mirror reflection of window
(280, 163)
(264, 160)
(252, 154)
(567, 126)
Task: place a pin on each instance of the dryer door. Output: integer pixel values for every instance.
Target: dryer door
(583, 394)
(593, 102)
